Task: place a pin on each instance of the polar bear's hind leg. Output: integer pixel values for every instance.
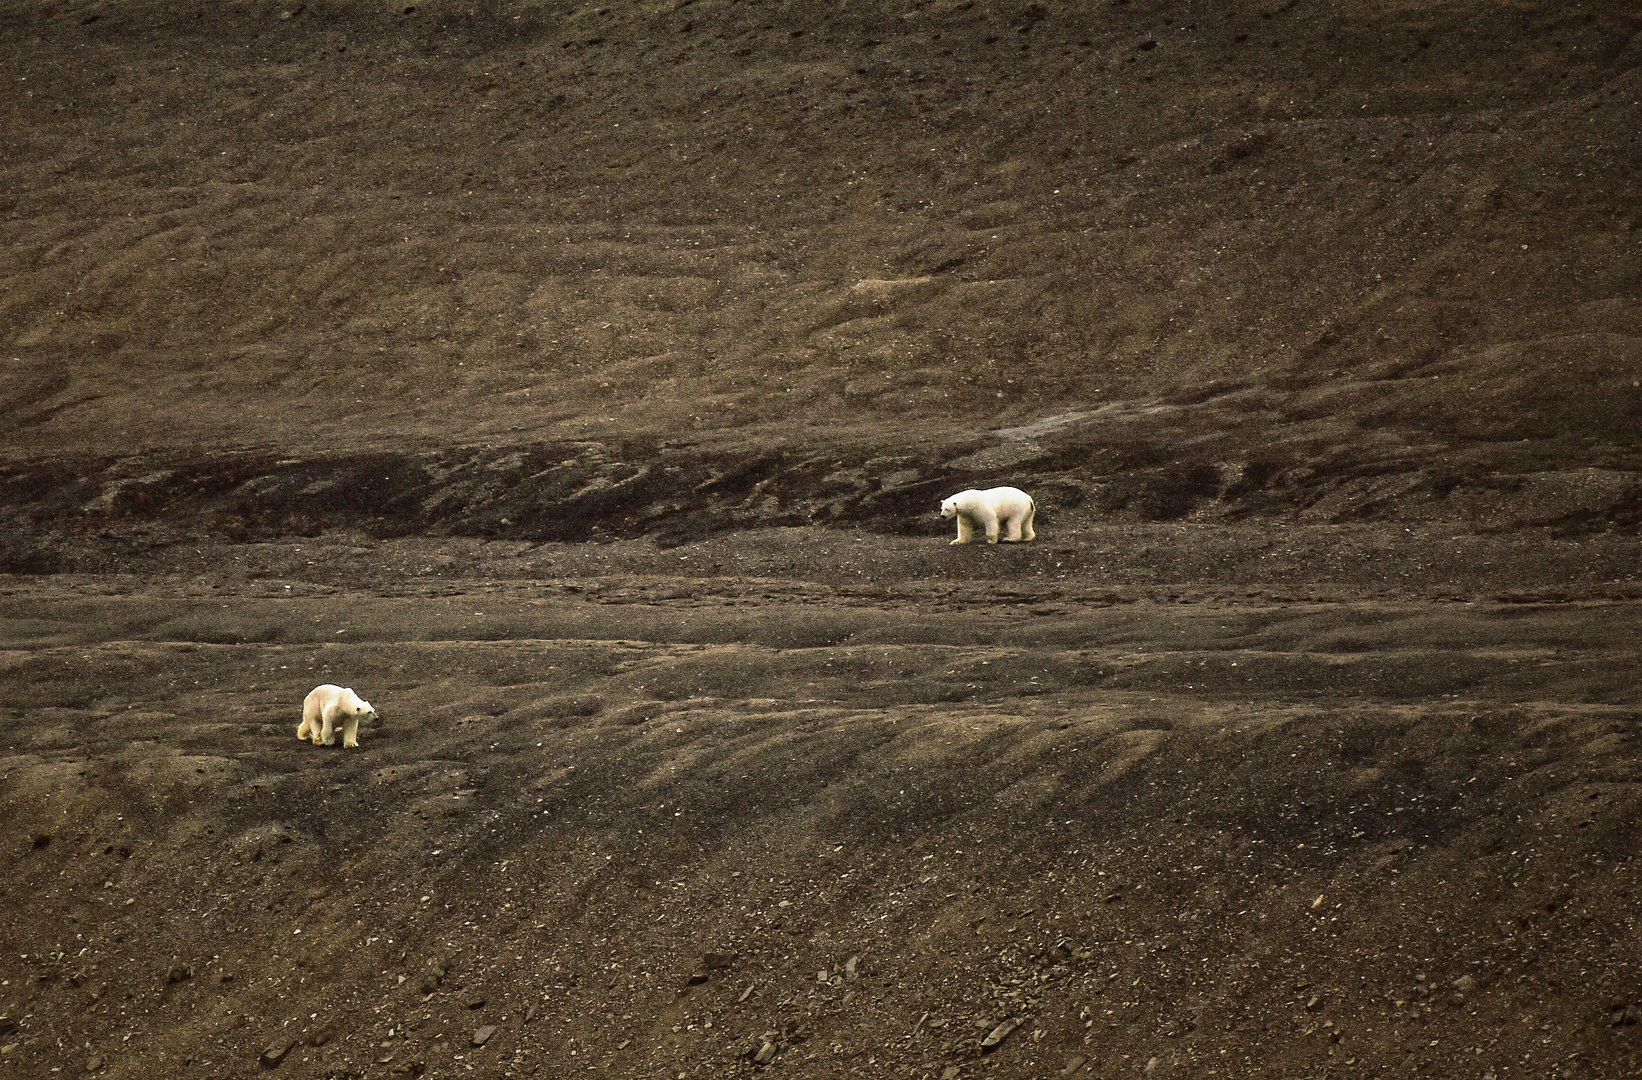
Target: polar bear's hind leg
(309, 728)
(1020, 524)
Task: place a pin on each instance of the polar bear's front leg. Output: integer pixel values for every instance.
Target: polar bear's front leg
(966, 530)
(350, 731)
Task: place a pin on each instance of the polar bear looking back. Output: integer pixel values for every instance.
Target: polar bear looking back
(1009, 508)
(328, 706)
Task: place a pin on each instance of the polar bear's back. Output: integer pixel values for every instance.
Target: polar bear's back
(337, 699)
(1003, 501)
(318, 698)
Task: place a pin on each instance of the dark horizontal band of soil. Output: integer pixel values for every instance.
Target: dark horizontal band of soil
(579, 491)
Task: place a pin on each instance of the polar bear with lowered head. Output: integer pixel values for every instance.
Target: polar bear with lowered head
(327, 707)
(1009, 508)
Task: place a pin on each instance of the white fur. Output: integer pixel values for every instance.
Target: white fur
(1009, 507)
(327, 706)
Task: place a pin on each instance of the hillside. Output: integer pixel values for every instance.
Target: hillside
(579, 383)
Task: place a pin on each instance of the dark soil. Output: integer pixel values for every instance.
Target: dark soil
(579, 384)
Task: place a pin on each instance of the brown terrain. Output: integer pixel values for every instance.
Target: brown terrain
(579, 384)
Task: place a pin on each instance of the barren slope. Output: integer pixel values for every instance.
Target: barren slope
(578, 383)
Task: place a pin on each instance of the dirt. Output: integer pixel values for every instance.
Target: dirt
(579, 384)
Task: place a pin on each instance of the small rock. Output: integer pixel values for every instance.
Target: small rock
(275, 1053)
(717, 961)
(477, 1002)
(1151, 1065)
(1625, 1016)
(482, 1035)
(437, 970)
(94, 1062)
(1465, 983)
(999, 1034)
(1315, 1003)
(766, 1053)
(179, 973)
(530, 1012)
(950, 1072)
(1073, 1064)
(697, 978)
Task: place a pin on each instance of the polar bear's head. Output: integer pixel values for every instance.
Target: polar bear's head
(354, 705)
(949, 508)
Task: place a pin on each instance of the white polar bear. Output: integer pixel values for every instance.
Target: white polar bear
(1011, 507)
(325, 707)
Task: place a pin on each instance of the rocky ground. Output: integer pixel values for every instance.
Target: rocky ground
(579, 384)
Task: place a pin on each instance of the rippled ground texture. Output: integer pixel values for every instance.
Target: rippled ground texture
(579, 384)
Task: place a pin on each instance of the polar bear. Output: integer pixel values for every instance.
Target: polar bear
(327, 706)
(1011, 507)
